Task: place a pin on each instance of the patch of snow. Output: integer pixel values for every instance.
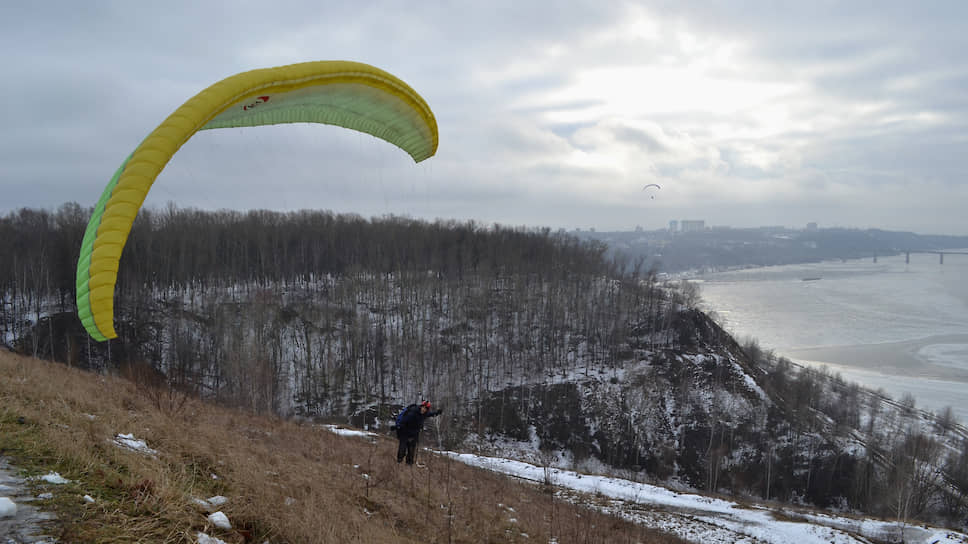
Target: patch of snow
(54, 478)
(88, 499)
(130, 442)
(348, 432)
(751, 383)
(8, 508)
(220, 520)
(212, 503)
(205, 539)
(946, 537)
(853, 448)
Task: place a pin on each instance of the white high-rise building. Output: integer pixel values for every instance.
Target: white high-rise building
(693, 225)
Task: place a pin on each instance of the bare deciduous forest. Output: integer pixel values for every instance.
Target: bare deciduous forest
(380, 308)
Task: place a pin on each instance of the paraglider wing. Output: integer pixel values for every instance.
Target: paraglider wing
(346, 94)
(656, 185)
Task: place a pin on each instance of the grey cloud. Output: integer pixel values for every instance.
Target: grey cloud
(640, 138)
(90, 79)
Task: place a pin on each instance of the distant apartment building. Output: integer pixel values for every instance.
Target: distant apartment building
(673, 226)
(811, 227)
(693, 226)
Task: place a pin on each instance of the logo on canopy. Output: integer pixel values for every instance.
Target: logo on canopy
(260, 100)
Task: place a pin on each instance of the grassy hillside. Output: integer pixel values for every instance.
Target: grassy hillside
(285, 481)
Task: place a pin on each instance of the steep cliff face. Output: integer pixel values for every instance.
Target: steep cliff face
(687, 415)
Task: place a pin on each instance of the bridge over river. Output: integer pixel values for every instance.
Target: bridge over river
(939, 252)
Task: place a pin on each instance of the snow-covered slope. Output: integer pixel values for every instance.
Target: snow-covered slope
(708, 520)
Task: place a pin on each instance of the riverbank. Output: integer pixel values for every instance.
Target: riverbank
(922, 368)
(905, 359)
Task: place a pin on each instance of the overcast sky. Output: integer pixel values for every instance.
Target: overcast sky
(555, 114)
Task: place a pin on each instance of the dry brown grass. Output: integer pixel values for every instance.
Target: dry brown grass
(286, 482)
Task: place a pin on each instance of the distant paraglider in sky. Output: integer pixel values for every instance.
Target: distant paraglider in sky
(656, 185)
(347, 94)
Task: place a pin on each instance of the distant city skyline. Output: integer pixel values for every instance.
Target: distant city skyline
(675, 224)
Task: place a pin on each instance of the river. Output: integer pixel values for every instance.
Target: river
(892, 325)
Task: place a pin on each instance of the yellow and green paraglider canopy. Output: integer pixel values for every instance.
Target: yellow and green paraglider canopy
(342, 93)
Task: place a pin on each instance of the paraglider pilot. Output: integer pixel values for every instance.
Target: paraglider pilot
(408, 426)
